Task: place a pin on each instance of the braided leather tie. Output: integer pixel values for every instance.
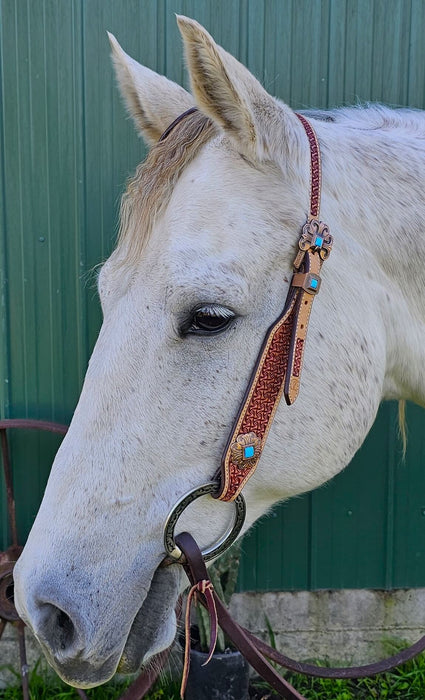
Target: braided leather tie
(205, 588)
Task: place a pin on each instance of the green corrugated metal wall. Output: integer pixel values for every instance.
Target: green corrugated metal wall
(66, 150)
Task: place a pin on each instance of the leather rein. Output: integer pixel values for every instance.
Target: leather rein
(258, 653)
(276, 373)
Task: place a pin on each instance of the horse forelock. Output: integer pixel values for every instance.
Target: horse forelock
(149, 190)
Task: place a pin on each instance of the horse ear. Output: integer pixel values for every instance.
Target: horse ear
(152, 100)
(230, 95)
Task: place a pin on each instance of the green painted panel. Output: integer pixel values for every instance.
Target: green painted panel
(366, 527)
(409, 507)
(66, 151)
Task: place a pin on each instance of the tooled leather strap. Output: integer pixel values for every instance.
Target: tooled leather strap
(278, 367)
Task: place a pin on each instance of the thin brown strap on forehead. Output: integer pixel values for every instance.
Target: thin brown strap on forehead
(173, 124)
(277, 371)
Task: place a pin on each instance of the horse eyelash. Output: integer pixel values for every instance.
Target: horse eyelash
(214, 310)
(208, 310)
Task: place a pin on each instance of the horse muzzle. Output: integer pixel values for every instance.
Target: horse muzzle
(86, 647)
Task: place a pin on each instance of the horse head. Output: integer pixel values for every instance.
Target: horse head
(209, 229)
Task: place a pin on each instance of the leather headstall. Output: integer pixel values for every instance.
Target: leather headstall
(277, 370)
(278, 367)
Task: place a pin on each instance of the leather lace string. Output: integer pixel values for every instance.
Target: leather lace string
(205, 588)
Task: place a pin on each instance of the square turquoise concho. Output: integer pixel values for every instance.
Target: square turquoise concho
(245, 450)
(248, 452)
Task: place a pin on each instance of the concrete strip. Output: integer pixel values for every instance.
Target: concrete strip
(348, 626)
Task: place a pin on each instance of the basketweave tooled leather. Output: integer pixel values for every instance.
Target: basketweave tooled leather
(278, 367)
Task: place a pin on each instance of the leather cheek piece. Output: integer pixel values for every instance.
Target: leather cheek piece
(258, 407)
(278, 368)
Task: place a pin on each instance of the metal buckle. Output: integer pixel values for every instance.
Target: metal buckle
(174, 553)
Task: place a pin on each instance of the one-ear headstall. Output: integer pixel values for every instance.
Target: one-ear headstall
(278, 367)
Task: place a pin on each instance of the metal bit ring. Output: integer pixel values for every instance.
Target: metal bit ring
(174, 553)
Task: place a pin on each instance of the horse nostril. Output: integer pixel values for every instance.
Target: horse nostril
(67, 628)
(56, 629)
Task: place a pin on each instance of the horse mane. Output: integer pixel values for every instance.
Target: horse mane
(149, 190)
(371, 116)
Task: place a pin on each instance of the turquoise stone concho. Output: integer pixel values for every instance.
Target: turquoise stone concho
(315, 236)
(246, 450)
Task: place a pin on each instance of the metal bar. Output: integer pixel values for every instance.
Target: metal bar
(30, 424)
(9, 487)
(23, 657)
(23, 423)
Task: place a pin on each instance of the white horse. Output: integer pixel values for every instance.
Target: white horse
(209, 228)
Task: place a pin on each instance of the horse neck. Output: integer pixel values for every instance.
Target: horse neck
(376, 202)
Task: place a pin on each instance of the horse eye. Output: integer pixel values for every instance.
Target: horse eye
(208, 320)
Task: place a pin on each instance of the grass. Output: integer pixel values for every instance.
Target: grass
(406, 682)
(44, 686)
